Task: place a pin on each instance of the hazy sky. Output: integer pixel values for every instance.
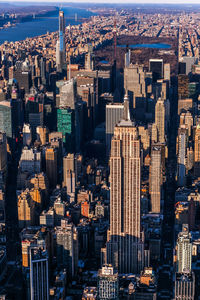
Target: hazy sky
(113, 1)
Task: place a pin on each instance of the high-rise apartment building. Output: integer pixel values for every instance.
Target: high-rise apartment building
(60, 46)
(107, 283)
(39, 278)
(160, 120)
(184, 251)
(155, 180)
(124, 248)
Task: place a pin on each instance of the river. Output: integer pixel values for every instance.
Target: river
(41, 25)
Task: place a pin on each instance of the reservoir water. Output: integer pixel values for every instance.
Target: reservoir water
(40, 26)
(156, 46)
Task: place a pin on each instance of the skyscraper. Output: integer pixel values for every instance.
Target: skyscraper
(3, 159)
(6, 118)
(185, 286)
(124, 248)
(39, 281)
(60, 46)
(160, 120)
(184, 250)
(114, 113)
(197, 151)
(51, 165)
(66, 246)
(69, 175)
(155, 180)
(156, 67)
(66, 125)
(26, 209)
(181, 149)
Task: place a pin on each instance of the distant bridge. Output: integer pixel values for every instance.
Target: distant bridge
(75, 18)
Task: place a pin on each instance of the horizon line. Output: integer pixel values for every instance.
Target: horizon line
(183, 2)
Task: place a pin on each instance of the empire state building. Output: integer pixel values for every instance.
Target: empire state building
(124, 246)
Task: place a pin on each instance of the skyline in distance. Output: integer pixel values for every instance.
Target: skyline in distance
(174, 2)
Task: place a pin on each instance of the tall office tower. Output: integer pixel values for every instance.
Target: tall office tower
(71, 185)
(88, 88)
(39, 278)
(164, 88)
(183, 86)
(114, 113)
(69, 175)
(184, 286)
(68, 94)
(66, 245)
(127, 58)
(66, 125)
(160, 120)
(43, 70)
(185, 105)
(6, 119)
(184, 250)
(124, 247)
(68, 164)
(23, 75)
(27, 135)
(108, 284)
(167, 72)
(60, 46)
(42, 134)
(197, 151)
(187, 120)
(145, 138)
(156, 67)
(3, 160)
(135, 83)
(39, 181)
(26, 210)
(155, 179)
(181, 152)
(2, 207)
(89, 59)
(154, 133)
(51, 166)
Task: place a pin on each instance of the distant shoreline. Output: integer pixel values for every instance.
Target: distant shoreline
(38, 26)
(11, 19)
